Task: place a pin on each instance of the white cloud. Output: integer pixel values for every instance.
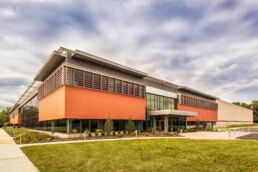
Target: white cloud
(213, 49)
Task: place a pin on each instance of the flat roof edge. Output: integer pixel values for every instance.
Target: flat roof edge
(108, 63)
(184, 88)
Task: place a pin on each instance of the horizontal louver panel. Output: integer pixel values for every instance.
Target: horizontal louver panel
(80, 78)
(195, 102)
(51, 84)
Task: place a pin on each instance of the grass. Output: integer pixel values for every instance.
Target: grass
(243, 125)
(238, 126)
(147, 155)
(27, 136)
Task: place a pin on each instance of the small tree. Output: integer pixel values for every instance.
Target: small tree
(109, 125)
(130, 126)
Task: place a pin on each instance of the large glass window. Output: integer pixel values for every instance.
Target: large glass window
(29, 113)
(157, 102)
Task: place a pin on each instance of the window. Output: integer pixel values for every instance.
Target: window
(141, 91)
(136, 90)
(157, 102)
(148, 97)
(152, 102)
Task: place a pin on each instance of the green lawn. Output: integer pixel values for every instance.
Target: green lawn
(147, 155)
(27, 136)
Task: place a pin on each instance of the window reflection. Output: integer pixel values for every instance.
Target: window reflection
(29, 113)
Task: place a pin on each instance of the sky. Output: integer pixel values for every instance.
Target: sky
(210, 46)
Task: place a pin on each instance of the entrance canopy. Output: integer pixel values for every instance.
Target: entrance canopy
(168, 118)
(171, 112)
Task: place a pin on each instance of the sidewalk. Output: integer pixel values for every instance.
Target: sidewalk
(98, 140)
(12, 159)
(201, 135)
(210, 135)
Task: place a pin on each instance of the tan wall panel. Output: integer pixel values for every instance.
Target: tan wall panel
(228, 112)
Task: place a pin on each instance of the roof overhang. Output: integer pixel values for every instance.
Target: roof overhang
(52, 63)
(162, 82)
(171, 112)
(161, 92)
(106, 63)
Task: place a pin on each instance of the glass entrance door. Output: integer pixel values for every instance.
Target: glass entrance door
(160, 124)
(177, 123)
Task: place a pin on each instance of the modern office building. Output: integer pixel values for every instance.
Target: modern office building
(74, 89)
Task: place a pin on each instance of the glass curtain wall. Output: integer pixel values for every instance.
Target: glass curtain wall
(29, 113)
(157, 102)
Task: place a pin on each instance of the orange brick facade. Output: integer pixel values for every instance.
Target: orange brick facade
(81, 103)
(202, 114)
(15, 118)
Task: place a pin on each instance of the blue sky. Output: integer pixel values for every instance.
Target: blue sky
(207, 45)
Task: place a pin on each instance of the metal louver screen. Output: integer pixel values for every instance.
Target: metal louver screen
(111, 85)
(51, 84)
(118, 86)
(78, 78)
(195, 102)
(96, 81)
(85, 79)
(88, 79)
(125, 87)
(104, 83)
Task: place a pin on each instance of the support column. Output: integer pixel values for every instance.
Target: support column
(89, 122)
(52, 126)
(68, 126)
(80, 125)
(165, 123)
(154, 124)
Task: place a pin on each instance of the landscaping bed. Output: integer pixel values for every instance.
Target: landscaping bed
(147, 155)
(24, 136)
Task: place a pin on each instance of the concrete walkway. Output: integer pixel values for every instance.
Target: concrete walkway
(12, 159)
(201, 135)
(98, 140)
(209, 135)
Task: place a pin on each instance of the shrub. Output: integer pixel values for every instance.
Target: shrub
(109, 126)
(74, 131)
(7, 124)
(99, 131)
(87, 131)
(130, 127)
(209, 128)
(27, 136)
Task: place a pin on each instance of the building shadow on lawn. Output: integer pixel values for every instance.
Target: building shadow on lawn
(249, 137)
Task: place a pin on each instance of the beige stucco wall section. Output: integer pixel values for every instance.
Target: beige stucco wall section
(230, 114)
